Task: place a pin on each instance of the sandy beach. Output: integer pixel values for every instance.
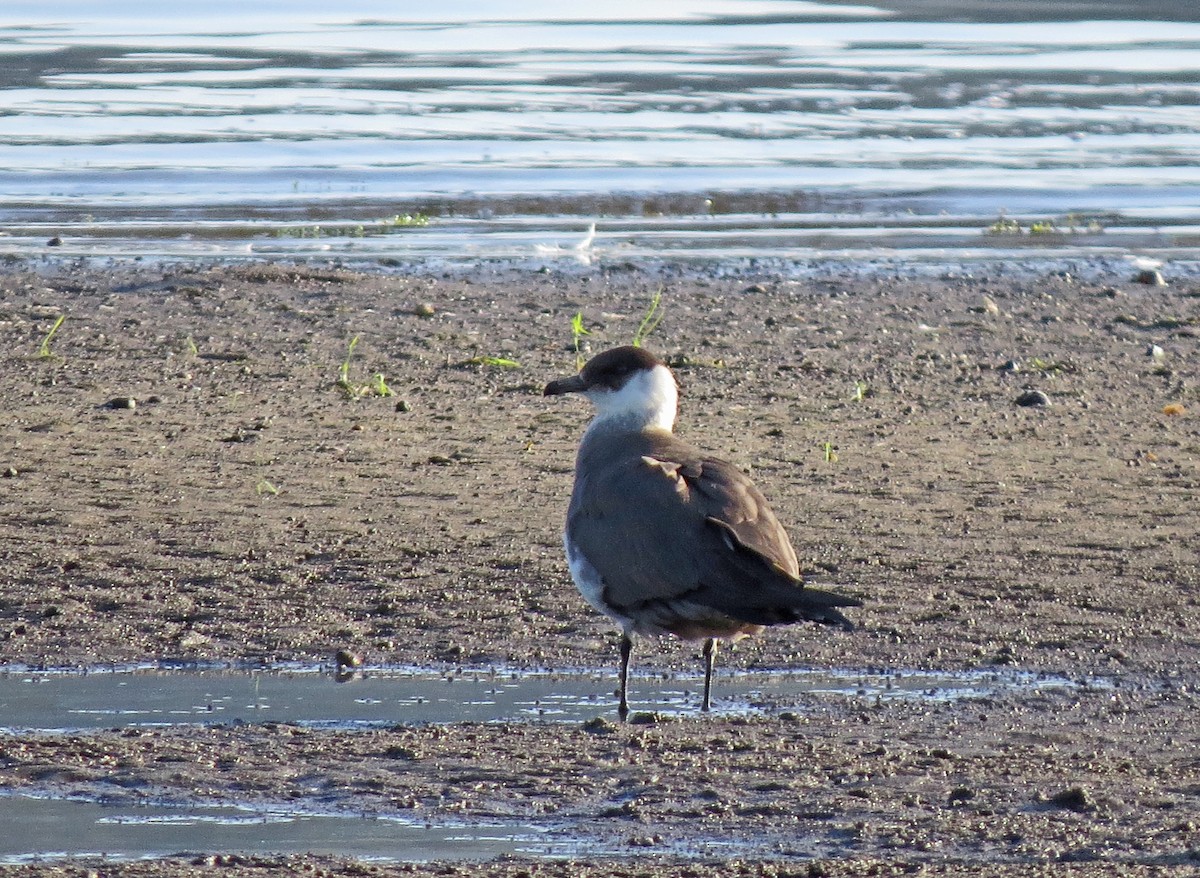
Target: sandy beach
(199, 465)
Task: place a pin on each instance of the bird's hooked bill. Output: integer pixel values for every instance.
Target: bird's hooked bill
(574, 384)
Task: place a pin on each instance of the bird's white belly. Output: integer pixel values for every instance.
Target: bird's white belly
(589, 583)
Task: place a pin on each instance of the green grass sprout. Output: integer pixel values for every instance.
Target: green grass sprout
(496, 362)
(265, 487)
(404, 221)
(861, 388)
(376, 387)
(651, 319)
(344, 372)
(577, 333)
(1004, 225)
(379, 386)
(830, 453)
(44, 352)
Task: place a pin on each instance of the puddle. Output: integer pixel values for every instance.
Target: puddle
(62, 828)
(164, 695)
(40, 826)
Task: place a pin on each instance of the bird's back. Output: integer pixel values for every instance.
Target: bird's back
(666, 528)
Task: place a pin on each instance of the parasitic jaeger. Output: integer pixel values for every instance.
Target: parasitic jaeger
(665, 539)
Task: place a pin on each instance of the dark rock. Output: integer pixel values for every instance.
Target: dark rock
(1073, 799)
(960, 794)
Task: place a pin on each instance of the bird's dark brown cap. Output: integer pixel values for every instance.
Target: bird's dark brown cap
(609, 369)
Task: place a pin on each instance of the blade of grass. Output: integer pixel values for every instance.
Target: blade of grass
(577, 332)
(651, 319)
(44, 351)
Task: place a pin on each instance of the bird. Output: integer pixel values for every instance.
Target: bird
(665, 539)
(581, 250)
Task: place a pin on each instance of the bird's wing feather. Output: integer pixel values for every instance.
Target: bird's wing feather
(661, 522)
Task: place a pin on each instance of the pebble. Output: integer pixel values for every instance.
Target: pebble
(1155, 352)
(121, 402)
(425, 309)
(600, 726)
(10, 472)
(960, 794)
(644, 718)
(1010, 366)
(347, 659)
(1032, 398)
(1073, 799)
(1151, 277)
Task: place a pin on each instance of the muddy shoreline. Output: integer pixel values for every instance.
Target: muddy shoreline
(252, 504)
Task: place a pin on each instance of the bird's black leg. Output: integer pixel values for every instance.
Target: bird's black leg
(626, 652)
(710, 660)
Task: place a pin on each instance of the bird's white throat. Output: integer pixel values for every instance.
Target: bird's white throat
(649, 399)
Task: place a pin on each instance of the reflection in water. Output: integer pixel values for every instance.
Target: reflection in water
(38, 828)
(161, 695)
(300, 129)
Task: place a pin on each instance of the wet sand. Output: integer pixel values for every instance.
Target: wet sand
(247, 506)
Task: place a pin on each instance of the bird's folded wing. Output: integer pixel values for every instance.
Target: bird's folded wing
(669, 527)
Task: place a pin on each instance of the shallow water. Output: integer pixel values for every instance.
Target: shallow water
(42, 828)
(687, 130)
(152, 695)
(45, 824)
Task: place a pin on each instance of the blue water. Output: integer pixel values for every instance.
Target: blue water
(153, 695)
(685, 130)
(69, 817)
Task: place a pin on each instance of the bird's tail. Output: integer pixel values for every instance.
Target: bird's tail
(785, 604)
(822, 607)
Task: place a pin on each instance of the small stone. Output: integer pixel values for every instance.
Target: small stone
(1154, 352)
(1033, 398)
(644, 718)
(1151, 277)
(1009, 366)
(193, 640)
(990, 306)
(425, 309)
(10, 472)
(1073, 799)
(644, 841)
(56, 241)
(403, 405)
(347, 659)
(122, 402)
(599, 726)
(960, 794)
